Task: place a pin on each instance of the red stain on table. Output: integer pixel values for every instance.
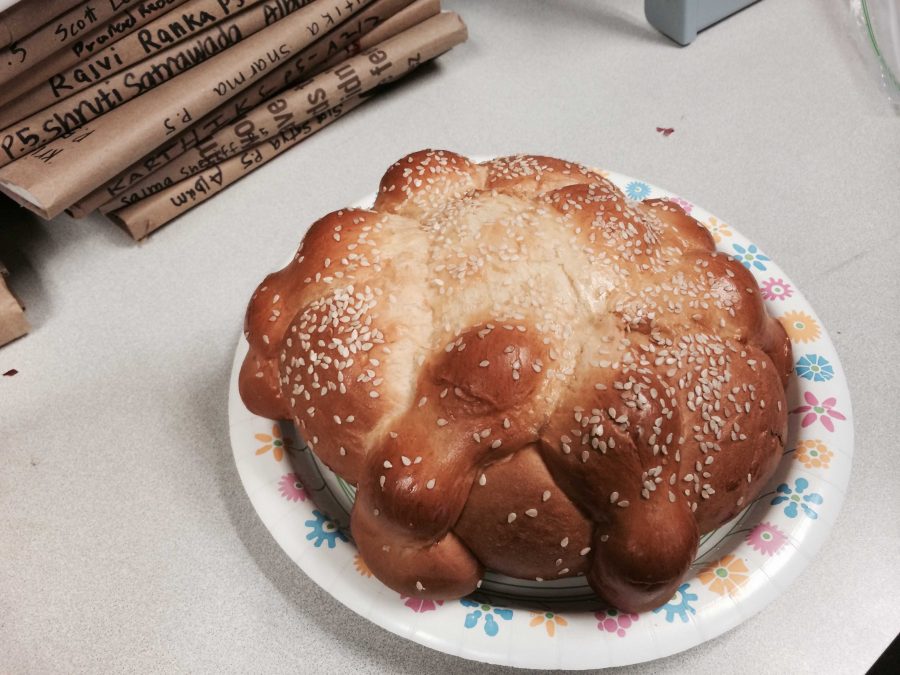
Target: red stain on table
(665, 131)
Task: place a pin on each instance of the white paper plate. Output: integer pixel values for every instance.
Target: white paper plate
(740, 567)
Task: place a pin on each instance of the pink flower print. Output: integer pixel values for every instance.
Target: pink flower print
(766, 538)
(816, 410)
(614, 621)
(685, 206)
(290, 488)
(776, 289)
(421, 604)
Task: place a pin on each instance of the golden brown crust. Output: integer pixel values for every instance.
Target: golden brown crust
(520, 368)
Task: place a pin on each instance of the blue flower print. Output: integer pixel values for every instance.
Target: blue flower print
(679, 605)
(491, 627)
(323, 529)
(637, 190)
(814, 367)
(796, 500)
(750, 256)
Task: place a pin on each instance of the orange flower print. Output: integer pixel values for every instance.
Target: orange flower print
(717, 229)
(801, 327)
(361, 566)
(276, 443)
(549, 620)
(725, 575)
(814, 454)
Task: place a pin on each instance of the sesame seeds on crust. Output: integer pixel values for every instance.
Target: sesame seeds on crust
(528, 298)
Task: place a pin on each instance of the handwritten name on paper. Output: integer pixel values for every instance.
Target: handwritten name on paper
(67, 27)
(190, 138)
(349, 83)
(256, 67)
(120, 25)
(102, 99)
(152, 39)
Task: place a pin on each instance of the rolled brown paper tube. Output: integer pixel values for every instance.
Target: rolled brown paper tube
(150, 214)
(59, 174)
(53, 36)
(73, 112)
(91, 63)
(13, 323)
(117, 193)
(415, 13)
(115, 29)
(386, 61)
(27, 16)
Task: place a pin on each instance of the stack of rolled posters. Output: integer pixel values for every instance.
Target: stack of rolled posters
(142, 110)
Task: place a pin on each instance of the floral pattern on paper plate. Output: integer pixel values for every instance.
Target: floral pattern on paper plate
(323, 530)
(274, 442)
(361, 566)
(291, 489)
(776, 289)
(813, 454)
(421, 605)
(725, 575)
(824, 411)
(685, 205)
(800, 326)
(548, 620)
(717, 229)
(814, 367)
(486, 615)
(637, 190)
(797, 499)
(766, 538)
(614, 621)
(679, 605)
(750, 256)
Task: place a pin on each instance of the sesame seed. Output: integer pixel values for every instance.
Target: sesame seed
(482, 480)
(585, 550)
(441, 422)
(545, 496)
(419, 586)
(564, 542)
(388, 465)
(485, 363)
(511, 517)
(430, 484)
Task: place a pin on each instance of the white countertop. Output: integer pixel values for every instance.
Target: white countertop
(128, 543)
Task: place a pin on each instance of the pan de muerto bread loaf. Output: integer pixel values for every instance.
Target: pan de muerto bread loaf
(522, 370)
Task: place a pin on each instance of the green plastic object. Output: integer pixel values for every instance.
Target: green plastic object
(681, 20)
